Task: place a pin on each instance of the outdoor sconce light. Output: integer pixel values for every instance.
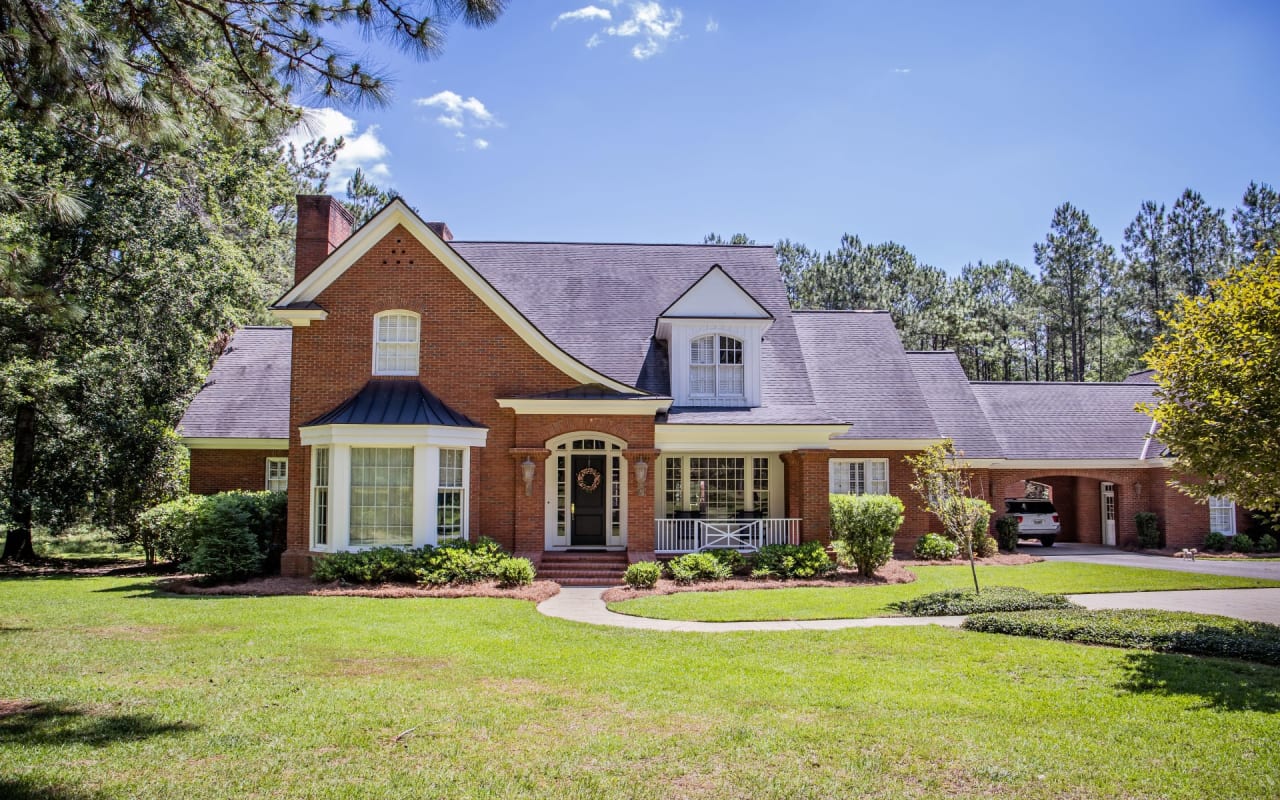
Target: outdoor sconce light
(527, 468)
(1137, 489)
(642, 472)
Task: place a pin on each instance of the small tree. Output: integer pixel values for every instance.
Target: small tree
(945, 484)
(866, 524)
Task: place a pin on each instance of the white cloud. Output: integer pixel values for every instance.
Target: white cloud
(712, 25)
(481, 144)
(651, 24)
(363, 150)
(584, 13)
(458, 112)
(902, 71)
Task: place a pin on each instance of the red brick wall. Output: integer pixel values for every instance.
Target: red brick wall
(215, 471)
(808, 491)
(468, 358)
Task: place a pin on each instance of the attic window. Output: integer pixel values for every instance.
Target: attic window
(395, 343)
(716, 367)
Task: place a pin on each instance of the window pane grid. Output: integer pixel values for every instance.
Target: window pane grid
(1222, 514)
(716, 367)
(562, 501)
(869, 476)
(615, 491)
(449, 497)
(675, 485)
(717, 485)
(277, 474)
(760, 485)
(396, 345)
(381, 496)
(320, 498)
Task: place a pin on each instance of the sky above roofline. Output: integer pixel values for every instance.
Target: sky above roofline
(953, 129)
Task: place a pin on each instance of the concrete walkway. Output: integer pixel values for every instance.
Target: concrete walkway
(1092, 554)
(584, 604)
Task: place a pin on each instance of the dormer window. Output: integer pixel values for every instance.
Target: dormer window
(716, 367)
(395, 343)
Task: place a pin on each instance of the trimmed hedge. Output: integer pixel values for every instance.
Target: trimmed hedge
(955, 602)
(512, 572)
(1149, 537)
(935, 547)
(450, 563)
(1007, 533)
(1162, 631)
(643, 574)
(1215, 542)
(792, 561)
(866, 524)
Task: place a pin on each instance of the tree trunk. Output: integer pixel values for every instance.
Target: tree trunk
(17, 544)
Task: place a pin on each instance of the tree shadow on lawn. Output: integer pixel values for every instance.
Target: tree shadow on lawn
(27, 788)
(42, 724)
(1219, 684)
(156, 589)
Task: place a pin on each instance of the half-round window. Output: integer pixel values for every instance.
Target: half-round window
(395, 343)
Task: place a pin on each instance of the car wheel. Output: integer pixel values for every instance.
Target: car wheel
(1046, 541)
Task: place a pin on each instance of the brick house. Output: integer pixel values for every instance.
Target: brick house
(623, 399)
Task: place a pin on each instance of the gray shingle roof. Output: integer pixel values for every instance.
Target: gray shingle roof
(599, 302)
(247, 392)
(393, 403)
(860, 374)
(588, 391)
(955, 410)
(1066, 420)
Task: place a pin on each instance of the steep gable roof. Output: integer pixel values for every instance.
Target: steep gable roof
(716, 295)
(860, 374)
(956, 411)
(1067, 420)
(246, 395)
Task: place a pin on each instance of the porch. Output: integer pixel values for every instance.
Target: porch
(689, 534)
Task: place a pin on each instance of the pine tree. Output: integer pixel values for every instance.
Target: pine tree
(1257, 222)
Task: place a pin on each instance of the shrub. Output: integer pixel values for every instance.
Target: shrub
(226, 546)
(1241, 543)
(1215, 542)
(1165, 631)
(694, 567)
(866, 524)
(1148, 530)
(165, 531)
(1267, 544)
(514, 572)
(643, 574)
(1007, 533)
(981, 526)
(792, 561)
(992, 599)
(985, 547)
(935, 547)
(735, 561)
(379, 565)
(461, 562)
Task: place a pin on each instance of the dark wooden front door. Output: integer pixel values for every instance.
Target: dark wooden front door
(588, 482)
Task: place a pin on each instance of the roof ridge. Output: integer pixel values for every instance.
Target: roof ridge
(839, 311)
(930, 352)
(1056, 383)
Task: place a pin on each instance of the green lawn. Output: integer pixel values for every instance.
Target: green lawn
(872, 601)
(112, 691)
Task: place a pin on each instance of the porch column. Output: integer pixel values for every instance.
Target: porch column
(530, 506)
(641, 516)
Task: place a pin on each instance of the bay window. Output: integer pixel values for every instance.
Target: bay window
(381, 496)
(449, 497)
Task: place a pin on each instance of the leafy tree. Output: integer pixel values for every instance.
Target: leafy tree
(1216, 404)
(946, 485)
(365, 198)
(1257, 221)
(994, 320)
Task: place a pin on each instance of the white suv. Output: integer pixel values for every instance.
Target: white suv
(1037, 519)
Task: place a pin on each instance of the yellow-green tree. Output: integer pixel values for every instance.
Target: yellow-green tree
(1218, 397)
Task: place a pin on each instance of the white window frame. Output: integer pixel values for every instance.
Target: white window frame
(717, 348)
(771, 496)
(1220, 505)
(460, 489)
(377, 341)
(321, 493)
(273, 461)
(870, 483)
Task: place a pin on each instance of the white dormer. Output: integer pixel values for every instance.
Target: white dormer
(713, 333)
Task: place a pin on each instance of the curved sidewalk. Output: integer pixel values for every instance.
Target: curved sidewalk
(584, 604)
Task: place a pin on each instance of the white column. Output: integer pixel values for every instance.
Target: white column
(340, 497)
(426, 474)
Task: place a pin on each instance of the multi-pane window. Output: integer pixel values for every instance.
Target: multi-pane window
(859, 476)
(277, 474)
(615, 495)
(1222, 515)
(760, 484)
(449, 497)
(320, 497)
(717, 486)
(674, 486)
(716, 367)
(395, 343)
(381, 496)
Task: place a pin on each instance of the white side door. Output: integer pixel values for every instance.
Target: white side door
(1108, 514)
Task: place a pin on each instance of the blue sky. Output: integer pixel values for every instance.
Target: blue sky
(951, 128)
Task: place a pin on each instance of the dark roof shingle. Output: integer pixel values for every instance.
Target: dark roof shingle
(393, 403)
(955, 410)
(246, 395)
(1066, 420)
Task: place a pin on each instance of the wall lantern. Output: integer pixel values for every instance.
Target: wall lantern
(527, 469)
(642, 472)
(1137, 489)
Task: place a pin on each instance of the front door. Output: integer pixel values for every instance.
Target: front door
(1108, 513)
(587, 512)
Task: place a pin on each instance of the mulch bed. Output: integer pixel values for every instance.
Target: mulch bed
(81, 567)
(278, 586)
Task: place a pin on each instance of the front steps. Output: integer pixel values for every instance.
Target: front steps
(583, 568)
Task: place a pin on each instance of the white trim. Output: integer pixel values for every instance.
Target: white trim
(231, 443)
(398, 214)
(394, 435)
(299, 317)
(777, 477)
(551, 538)
(417, 340)
(1222, 504)
(711, 292)
(679, 438)
(638, 406)
(867, 480)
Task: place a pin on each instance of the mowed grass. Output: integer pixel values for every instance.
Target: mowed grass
(1062, 577)
(110, 691)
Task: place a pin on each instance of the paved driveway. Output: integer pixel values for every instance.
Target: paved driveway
(1109, 555)
(1258, 605)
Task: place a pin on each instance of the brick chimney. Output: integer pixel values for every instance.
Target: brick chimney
(323, 224)
(442, 230)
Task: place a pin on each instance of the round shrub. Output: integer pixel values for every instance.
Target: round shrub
(166, 531)
(1267, 544)
(935, 547)
(866, 524)
(460, 562)
(735, 561)
(694, 567)
(1007, 533)
(1241, 543)
(1215, 542)
(378, 565)
(514, 572)
(792, 561)
(643, 574)
(1148, 530)
(954, 602)
(226, 545)
(985, 547)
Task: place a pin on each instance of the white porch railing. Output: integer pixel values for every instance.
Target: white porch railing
(692, 535)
